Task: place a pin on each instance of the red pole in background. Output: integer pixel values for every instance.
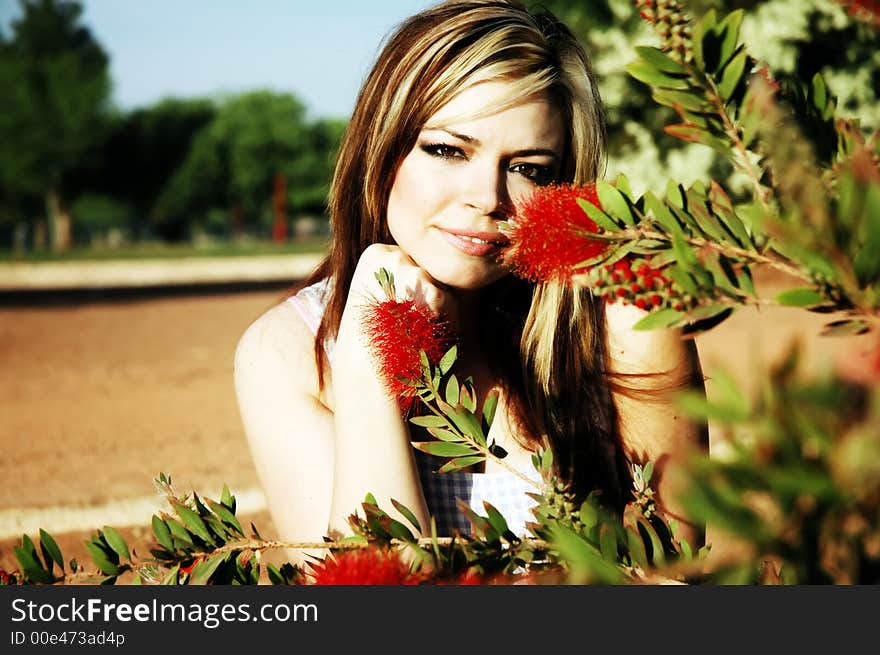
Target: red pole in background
(279, 209)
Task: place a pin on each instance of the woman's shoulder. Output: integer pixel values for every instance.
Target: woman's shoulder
(633, 350)
(278, 346)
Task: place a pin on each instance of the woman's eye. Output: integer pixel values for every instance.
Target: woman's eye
(443, 151)
(536, 173)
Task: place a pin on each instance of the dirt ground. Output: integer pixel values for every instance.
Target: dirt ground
(100, 396)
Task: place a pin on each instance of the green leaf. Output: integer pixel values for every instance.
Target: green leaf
(690, 101)
(179, 532)
(460, 463)
(744, 280)
(490, 404)
(31, 565)
(102, 559)
(614, 203)
(50, 550)
(723, 208)
(203, 571)
(407, 513)
(636, 548)
(496, 520)
(686, 132)
(452, 391)
(730, 26)
(704, 25)
(193, 522)
(661, 213)
(444, 434)
(659, 319)
(585, 561)
(228, 517)
(426, 364)
(162, 533)
(227, 499)
(819, 92)
(709, 223)
(712, 42)
(660, 60)
(398, 530)
(598, 216)
(658, 558)
(845, 328)
(717, 314)
(468, 424)
(448, 359)
(867, 260)
(686, 258)
(468, 397)
(116, 542)
(646, 73)
(674, 195)
(217, 528)
(429, 421)
(800, 298)
(622, 183)
(732, 75)
(608, 542)
(443, 448)
(171, 578)
(546, 459)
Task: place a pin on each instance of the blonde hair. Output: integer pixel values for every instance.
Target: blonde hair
(427, 61)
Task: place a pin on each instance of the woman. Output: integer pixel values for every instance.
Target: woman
(470, 106)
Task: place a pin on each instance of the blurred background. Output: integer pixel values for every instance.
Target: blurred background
(163, 176)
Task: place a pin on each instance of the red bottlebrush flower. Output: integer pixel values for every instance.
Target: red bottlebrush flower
(549, 235)
(364, 566)
(397, 331)
(10, 578)
(867, 10)
(637, 286)
(186, 570)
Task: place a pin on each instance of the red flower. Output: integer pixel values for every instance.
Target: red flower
(645, 287)
(9, 578)
(867, 10)
(397, 330)
(364, 566)
(549, 234)
(186, 570)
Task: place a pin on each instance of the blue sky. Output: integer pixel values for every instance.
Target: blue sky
(319, 49)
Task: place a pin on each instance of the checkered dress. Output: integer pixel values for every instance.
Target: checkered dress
(503, 490)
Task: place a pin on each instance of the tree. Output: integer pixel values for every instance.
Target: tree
(56, 87)
(796, 39)
(140, 153)
(235, 161)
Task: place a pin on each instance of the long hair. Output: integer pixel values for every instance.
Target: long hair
(553, 366)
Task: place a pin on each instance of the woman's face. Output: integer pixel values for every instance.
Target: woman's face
(463, 176)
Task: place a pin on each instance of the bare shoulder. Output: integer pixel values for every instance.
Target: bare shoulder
(277, 348)
(643, 351)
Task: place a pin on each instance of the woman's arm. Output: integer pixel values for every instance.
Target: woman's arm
(289, 431)
(373, 449)
(656, 364)
(318, 460)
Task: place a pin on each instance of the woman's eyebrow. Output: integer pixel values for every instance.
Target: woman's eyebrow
(462, 137)
(474, 141)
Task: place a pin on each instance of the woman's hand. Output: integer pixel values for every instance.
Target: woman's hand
(410, 282)
(372, 440)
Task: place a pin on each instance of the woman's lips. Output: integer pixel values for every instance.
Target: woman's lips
(476, 244)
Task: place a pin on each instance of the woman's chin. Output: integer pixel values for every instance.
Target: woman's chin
(465, 278)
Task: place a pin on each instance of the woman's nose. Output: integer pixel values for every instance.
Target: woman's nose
(485, 190)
